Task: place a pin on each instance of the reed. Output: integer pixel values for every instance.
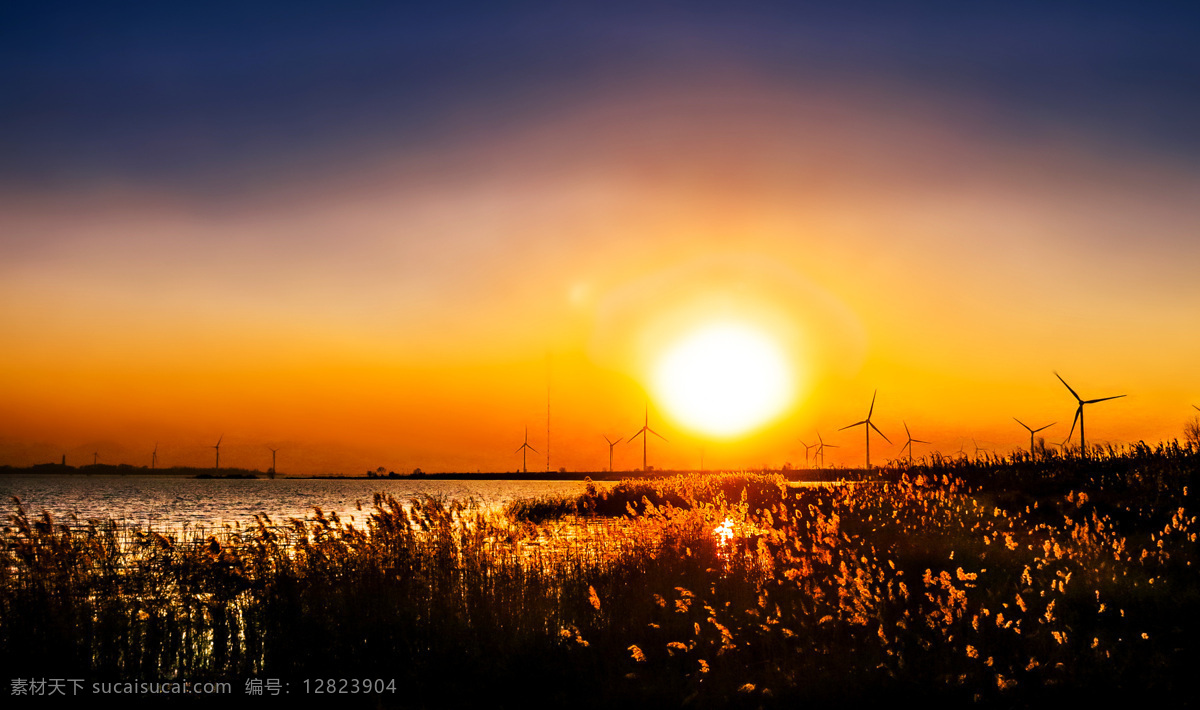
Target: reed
(1004, 581)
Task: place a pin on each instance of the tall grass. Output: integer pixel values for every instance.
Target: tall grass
(993, 581)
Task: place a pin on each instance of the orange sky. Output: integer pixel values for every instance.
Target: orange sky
(401, 311)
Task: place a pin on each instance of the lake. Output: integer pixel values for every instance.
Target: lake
(170, 502)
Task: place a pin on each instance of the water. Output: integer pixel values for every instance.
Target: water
(170, 502)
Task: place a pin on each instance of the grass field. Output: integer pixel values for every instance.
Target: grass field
(995, 582)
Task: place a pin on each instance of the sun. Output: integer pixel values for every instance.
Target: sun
(723, 379)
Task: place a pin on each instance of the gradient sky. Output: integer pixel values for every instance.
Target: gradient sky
(368, 234)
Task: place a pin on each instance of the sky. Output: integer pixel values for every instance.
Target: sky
(378, 235)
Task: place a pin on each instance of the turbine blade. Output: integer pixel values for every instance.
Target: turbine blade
(657, 434)
(1103, 399)
(872, 409)
(1045, 427)
(1073, 392)
(639, 433)
(853, 425)
(1022, 423)
(907, 432)
(1078, 413)
(879, 432)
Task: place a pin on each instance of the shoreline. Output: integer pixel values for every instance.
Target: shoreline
(124, 470)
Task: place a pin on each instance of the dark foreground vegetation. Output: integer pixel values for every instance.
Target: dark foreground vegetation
(991, 582)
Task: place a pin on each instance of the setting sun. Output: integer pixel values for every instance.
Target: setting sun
(724, 379)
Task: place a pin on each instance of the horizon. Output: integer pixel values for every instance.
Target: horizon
(969, 448)
(395, 237)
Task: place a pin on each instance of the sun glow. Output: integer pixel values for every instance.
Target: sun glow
(724, 379)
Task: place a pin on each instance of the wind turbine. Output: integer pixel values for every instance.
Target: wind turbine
(611, 444)
(218, 448)
(95, 457)
(821, 448)
(524, 453)
(1079, 412)
(807, 448)
(642, 433)
(867, 426)
(1032, 453)
(273, 451)
(908, 444)
(154, 456)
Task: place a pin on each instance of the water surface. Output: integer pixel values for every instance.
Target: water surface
(170, 501)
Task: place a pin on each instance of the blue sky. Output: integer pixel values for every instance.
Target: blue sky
(221, 93)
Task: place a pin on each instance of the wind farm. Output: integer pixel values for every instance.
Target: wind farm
(814, 453)
(380, 238)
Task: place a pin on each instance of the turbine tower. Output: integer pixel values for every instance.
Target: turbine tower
(1079, 413)
(611, 444)
(908, 444)
(1032, 453)
(273, 451)
(867, 426)
(218, 448)
(642, 433)
(522, 448)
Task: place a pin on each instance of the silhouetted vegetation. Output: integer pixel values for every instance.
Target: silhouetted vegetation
(994, 581)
